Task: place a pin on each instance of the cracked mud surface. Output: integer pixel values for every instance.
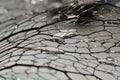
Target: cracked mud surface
(32, 47)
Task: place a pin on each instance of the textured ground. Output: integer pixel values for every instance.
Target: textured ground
(34, 48)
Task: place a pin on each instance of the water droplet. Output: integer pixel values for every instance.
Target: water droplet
(16, 27)
(18, 79)
(95, 46)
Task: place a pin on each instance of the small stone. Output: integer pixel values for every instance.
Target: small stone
(60, 35)
(56, 39)
(66, 33)
(51, 50)
(110, 59)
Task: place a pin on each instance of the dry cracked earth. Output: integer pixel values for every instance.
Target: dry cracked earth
(35, 47)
